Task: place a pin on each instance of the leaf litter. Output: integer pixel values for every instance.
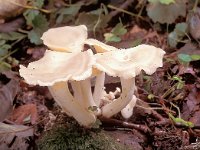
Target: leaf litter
(176, 84)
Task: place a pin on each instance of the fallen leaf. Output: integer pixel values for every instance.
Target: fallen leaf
(157, 11)
(69, 13)
(190, 49)
(191, 109)
(14, 137)
(36, 52)
(194, 23)
(25, 114)
(93, 20)
(7, 95)
(10, 9)
(12, 25)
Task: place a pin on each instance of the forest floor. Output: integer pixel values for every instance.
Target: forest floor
(167, 115)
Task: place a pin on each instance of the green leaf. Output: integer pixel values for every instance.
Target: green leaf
(166, 13)
(68, 13)
(4, 66)
(172, 39)
(181, 121)
(151, 96)
(180, 85)
(34, 36)
(195, 57)
(136, 42)
(153, 1)
(119, 29)
(2, 42)
(91, 20)
(113, 36)
(11, 36)
(30, 15)
(110, 37)
(4, 49)
(177, 78)
(181, 29)
(40, 22)
(167, 2)
(38, 3)
(40, 25)
(184, 57)
(178, 34)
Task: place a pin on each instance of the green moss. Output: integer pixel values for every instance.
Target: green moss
(73, 137)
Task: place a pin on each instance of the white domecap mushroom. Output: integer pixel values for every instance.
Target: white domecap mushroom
(126, 64)
(54, 70)
(67, 39)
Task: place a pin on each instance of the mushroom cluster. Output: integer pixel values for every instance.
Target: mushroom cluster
(67, 63)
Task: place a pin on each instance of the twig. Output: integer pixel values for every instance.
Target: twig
(122, 9)
(31, 7)
(125, 124)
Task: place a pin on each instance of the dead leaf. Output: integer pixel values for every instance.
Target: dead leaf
(7, 95)
(13, 137)
(157, 11)
(12, 25)
(191, 111)
(36, 52)
(194, 23)
(25, 114)
(10, 8)
(189, 49)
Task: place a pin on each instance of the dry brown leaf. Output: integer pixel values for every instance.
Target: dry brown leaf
(191, 109)
(194, 24)
(7, 95)
(157, 11)
(25, 113)
(13, 137)
(10, 8)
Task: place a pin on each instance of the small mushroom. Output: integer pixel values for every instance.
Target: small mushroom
(54, 70)
(68, 38)
(126, 64)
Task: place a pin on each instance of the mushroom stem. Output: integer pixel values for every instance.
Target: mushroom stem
(69, 104)
(99, 88)
(87, 97)
(76, 86)
(128, 110)
(128, 87)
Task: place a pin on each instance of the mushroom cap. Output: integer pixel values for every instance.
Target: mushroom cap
(58, 66)
(68, 38)
(99, 46)
(128, 63)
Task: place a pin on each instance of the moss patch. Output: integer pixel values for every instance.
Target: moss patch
(73, 137)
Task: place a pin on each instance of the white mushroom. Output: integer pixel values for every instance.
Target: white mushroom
(72, 39)
(54, 70)
(68, 38)
(126, 64)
